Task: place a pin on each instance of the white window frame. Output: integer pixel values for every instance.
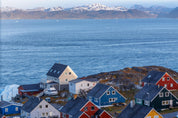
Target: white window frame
(163, 79)
(161, 94)
(171, 85)
(156, 116)
(166, 94)
(166, 102)
(113, 92)
(165, 85)
(16, 108)
(108, 92)
(6, 109)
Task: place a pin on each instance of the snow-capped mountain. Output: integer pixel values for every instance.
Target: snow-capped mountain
(54, 9)
(8, 9)
(97, 7)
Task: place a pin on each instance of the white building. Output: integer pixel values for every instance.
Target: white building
(61, 74)
(75, 86)
(38, 108)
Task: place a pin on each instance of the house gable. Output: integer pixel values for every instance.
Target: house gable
(111, 96)
(105, 114)
(167, 81)
(89, 108)
(153, 113)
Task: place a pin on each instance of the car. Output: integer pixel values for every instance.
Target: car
(51, 91)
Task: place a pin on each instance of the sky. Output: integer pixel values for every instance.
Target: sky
(27, 4)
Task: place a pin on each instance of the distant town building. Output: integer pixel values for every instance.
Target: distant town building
(103, 95)
(8, 108)
(75, 86)
(139, 111)
(156, 96)
(82, 108)
(160, 79)
(61, 74)
(38, 108)
(30, 89)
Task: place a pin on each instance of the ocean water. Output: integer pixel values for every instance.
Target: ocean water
(30, 47)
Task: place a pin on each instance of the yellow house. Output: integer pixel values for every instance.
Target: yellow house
(139, 111)
(61, 74)
(153, 114)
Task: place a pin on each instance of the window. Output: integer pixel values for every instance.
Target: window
(165, 85)
(166, 94)
(6, 109)
(165, 102)
(149, 76)
(46, 113)
(156, 116)
(168, 78)
(54, 71)
(50, 113)
(147, 103)
(66, 80)
(163, 79)
(171, 85)
(86, 109)
(40, 106)
(46, 106)
(43, 114)
(81, 85)
(96, 99)
(92, 108)
(58, 72)
(69, 73)
(161, 94)
(113, 92)
(16, 108)
(110, 99)
(51, 70)
(88, 84)
(108, 92)
(65, 73)
(139, 101)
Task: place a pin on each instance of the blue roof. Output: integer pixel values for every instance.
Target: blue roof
(56, 70)
(73, 106)
(153, 77)
(31, 104)
(4, 103)
(98, 90)
(31, 87)
(148, 92)
(137, 111)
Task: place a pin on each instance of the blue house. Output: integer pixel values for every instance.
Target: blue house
(7, 108)
(103, 95)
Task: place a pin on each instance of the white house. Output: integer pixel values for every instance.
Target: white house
(81, 84)
(61, 74)
(38, 108)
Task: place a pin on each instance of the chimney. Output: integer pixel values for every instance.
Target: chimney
(132, 103)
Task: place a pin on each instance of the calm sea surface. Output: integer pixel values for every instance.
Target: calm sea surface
(30, 47)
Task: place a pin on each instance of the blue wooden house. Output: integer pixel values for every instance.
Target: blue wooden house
(7, 108)
(103, 95)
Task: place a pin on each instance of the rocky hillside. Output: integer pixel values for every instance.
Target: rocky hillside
(130, 75)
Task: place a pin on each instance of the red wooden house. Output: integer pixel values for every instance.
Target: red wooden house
(82, 108)
(30, 89)
(160, 79)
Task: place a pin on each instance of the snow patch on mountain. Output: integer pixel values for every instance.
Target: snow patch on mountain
(97, 7)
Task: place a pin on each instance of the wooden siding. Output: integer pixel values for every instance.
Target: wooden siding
(152, 114)
(168, 82)
(104, 114)
(11, 110)
(104, 100)
(89, 111)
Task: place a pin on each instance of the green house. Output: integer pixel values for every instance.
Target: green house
(156, 96)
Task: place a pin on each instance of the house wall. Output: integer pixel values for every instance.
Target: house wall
(157, 102)
(75, 88)
(84, 116)
(168, 82)
(66, 77)
(44, 111)
(24, 114)
(152, 114)
(11, 110)
(89, 111)
(104, 100)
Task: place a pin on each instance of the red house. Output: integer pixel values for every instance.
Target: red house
(160, 79)
(82, 108)
(30, 89)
